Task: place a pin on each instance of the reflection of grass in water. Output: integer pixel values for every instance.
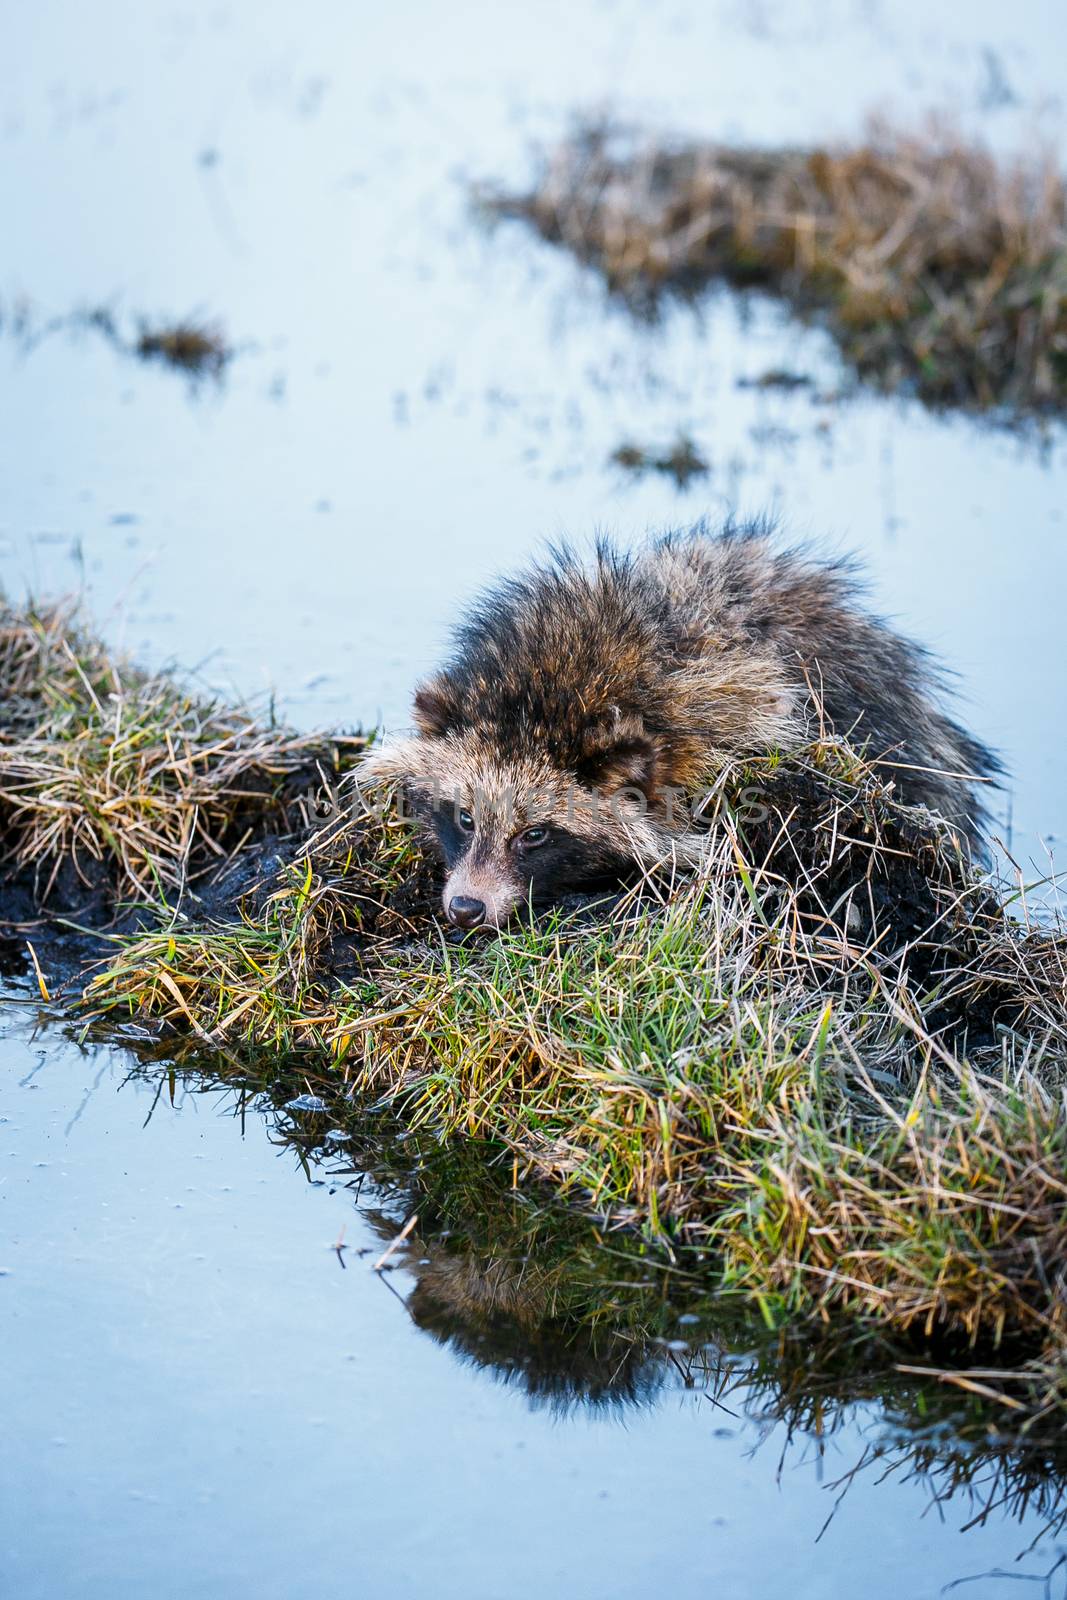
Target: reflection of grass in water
(934, 267)
(857, 1120)
(574, 1317)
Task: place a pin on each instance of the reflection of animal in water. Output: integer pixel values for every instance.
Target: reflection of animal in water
(584, 704)
(559, 1337)
(508, 1315)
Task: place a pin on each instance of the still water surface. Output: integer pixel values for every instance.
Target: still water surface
(201, 1396)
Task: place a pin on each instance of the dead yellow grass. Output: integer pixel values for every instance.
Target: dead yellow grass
(112, 771)
(933, 265)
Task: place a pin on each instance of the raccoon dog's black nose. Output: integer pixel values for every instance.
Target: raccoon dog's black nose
(466, 913)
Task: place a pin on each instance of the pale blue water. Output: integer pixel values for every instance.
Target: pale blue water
(197, 1400)
(200, 1401)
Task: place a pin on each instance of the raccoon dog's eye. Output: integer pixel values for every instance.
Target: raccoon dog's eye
(532, 838)
(465, 820)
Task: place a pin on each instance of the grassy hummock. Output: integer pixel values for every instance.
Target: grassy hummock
(840, 1113)
(113, 778)
(935, 268)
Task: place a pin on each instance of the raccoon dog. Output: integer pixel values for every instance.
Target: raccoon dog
(587, 702)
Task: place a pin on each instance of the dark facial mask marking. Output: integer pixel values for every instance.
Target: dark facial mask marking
(565, 863)
(453, 840)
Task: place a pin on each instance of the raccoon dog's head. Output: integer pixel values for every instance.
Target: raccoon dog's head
(578, 709)
(518, 831)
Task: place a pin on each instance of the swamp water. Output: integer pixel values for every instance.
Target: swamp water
(203, 1397)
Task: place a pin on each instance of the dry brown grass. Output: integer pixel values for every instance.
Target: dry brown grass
(128, 777)
(680, 461)
(933, 265)
(193, 345)
(197, 348)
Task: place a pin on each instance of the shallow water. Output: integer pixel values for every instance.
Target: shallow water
(199, 1399)
(202, 1397)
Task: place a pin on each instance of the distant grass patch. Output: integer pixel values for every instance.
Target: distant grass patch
(193, 344)
(681, 461)
(936, 268)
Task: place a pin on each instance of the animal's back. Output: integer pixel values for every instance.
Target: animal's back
(848, 672)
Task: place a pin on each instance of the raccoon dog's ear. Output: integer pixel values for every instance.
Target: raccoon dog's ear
(621, 754)
(435, 708)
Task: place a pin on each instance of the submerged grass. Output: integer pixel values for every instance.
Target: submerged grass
(935, 267)
(831, 1066)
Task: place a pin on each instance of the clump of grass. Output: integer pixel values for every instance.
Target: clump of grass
(681, 462)
(696, 1071)
(723, 1066)
(197, 348)
(934, 266)
(831, 1064)
(127, 779)
(192, 345)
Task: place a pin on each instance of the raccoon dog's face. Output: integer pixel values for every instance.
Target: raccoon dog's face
(504, 850)
(516, 831)
(544, 752)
